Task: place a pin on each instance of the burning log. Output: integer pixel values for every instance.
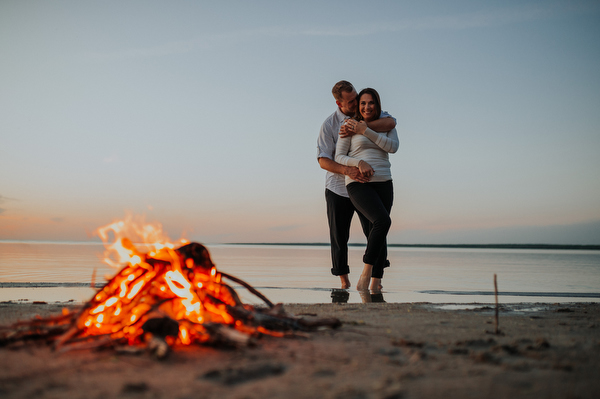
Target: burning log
(164, 298)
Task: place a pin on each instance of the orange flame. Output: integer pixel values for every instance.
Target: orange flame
(159, 282)
(122, 251)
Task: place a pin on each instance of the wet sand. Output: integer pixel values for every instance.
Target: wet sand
(382, 350)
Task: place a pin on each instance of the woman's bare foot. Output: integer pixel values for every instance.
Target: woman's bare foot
(365, 296)
(363, 281)
(345, 281)
(376, 286)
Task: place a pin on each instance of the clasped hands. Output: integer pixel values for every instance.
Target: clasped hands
(362, 173)
(351, 127)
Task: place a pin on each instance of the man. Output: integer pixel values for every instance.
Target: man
(339, 208)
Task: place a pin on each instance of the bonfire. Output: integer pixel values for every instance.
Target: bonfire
(164, 295)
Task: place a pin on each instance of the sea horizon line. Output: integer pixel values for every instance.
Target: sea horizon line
(322, 244)
(474, 246)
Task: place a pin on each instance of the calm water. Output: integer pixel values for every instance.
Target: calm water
(300, 274)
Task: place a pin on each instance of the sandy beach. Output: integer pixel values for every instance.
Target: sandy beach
(382, 350)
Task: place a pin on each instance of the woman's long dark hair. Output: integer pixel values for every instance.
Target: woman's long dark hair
(376, 98)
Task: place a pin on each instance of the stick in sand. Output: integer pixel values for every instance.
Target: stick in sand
(496, 295)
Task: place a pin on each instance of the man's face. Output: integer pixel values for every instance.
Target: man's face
(348, 102)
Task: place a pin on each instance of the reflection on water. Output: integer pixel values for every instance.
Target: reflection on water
(370, 296)
(339, 295)
(378, 297)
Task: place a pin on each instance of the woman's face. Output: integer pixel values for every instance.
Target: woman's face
(366, 107)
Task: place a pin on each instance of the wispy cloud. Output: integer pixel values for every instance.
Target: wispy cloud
(208, 41)
(113, 158)
(481, 19)
(4, 199)
(474, 20)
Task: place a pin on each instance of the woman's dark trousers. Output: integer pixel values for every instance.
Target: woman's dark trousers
(374, 201)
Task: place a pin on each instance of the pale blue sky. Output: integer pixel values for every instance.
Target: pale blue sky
(204, 116)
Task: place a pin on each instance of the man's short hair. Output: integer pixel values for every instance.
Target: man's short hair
(340, 87)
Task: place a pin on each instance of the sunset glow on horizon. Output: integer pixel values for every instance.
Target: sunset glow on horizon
(204, 117)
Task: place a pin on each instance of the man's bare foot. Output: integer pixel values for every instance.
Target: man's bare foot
(345, 281)
(376, 286)
(363, 281)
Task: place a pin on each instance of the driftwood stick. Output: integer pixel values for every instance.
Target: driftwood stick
(89, 344)
(276, 322)
(248, 287)
(224, 335)
(496, 295)
(72, 332)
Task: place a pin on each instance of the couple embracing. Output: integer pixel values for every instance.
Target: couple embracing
(353, 147)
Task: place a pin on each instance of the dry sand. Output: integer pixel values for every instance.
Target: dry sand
(383, 350)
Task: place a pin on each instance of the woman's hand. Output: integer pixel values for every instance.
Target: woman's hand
(360, 127)
(354, 174)
(350, 127)
(365, 169)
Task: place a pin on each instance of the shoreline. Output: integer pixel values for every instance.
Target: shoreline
(575, 247)
(382, 350)
(585, 247)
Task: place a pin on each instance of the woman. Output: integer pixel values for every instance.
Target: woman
(369, 151)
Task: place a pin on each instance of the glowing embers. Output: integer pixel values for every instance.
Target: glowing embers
(166, 284)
